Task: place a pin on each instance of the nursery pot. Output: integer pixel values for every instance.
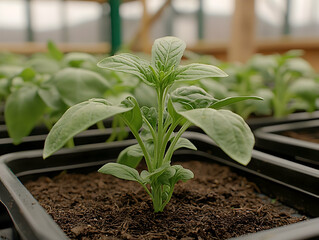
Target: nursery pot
(293, 184)
(298, 141)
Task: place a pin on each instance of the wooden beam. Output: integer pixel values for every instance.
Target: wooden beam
(242, 42)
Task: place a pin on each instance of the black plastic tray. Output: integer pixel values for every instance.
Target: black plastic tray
(293, 184)
(271, 140)
(258, 122)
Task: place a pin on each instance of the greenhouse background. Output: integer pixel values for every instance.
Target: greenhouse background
(206, 25)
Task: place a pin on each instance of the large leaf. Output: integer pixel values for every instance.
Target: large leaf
(78, 118)
(197, 71)
(24, 108)
(76, 85)
(192, 97)
(128, 63)
(227, 129)
(121, 171)
(131, 156)
(230, 100)
(167, 53)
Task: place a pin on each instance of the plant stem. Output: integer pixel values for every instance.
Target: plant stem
(157, 197)
(70, 143)
(170, 150)
(142, 145)
(160, 128)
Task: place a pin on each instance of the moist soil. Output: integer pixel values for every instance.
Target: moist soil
(216, 204)
(309, 136)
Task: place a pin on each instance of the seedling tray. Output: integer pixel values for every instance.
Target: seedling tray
(272, 140)
(36, 140)
(293, 184)
(258, 122)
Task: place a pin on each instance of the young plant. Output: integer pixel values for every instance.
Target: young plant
(153, 127)
(281, 74)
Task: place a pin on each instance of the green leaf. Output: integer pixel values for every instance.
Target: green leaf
(50, 95)
(54, 51)
(144, 94)
(77, 59)
(24, 108)
(192, 97)
(181, 174)
(76, 85)
(184, 143)
(128, 63)
(151, 115)
(78, 118)
(9, 71)
(146, 176)
(121, 171)
(227, 129)
(167, 53)
(216, 89)
(28, 74)
(305, 88)
(166, 176)
(131, 156)
(44, 65)
(230, 100)
(196, 71)
(134, 117)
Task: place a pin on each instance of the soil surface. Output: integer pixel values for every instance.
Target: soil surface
(310, 136)
(216, 204)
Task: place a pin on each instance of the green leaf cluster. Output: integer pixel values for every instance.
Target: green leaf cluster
(158, 129)
(286, 82)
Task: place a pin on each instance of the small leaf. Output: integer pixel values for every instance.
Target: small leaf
(77, 59)
(54, 51)
(151, 115)
(128, 63)
(24, 108)
(230, 100)
(192, 97)
(166, 176)
(131, 156)
(134, 117)
(28, 74)
(147, 176)
(196, 71)
(184, 143)
(50, 95)
(227, 129)
(181, 174)
(77, 119)
(167, 53)
(76, 85)
(121, 171)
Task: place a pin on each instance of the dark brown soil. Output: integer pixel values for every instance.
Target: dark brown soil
(309, 136)
(217, 204)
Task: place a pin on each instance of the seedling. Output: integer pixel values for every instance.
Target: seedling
(153, 127)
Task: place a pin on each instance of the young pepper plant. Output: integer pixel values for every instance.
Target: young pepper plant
(153, 127)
